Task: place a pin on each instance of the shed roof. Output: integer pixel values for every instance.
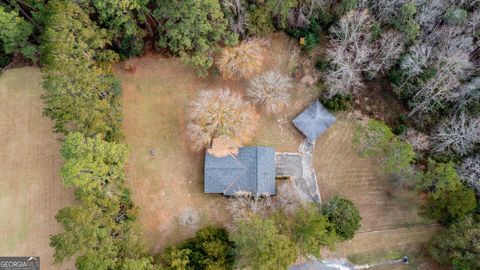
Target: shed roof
(314, 120)
(252, 170)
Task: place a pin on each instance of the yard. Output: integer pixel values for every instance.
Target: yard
(166, 176)
(390, 221)
(31, 192)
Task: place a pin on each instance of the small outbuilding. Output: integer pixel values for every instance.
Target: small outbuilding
(314, 120)
(252, 170)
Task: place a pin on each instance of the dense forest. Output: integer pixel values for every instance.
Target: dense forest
(426, 50)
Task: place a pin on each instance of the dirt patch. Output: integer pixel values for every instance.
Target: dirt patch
(378, 101)
(31, 191)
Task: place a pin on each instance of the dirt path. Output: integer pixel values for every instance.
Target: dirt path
(31, 191)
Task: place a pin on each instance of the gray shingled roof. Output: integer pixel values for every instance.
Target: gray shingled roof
(314, 120)
(251, 170)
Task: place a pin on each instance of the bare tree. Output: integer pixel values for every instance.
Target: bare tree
(216, 113)
(418, 140)
(386, 10)
(468, 94)
(459, 134)
(235, 12)
(469, 171)
(243, 205)
(388, 50)
(417, 60)
(299, 17)
(352, 52)
(448, 52)
(270, 90)
(242, 61)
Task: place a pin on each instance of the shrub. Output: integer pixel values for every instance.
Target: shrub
(338, 102)
(216, 113)
(309, 37)
(321, 64)
(344, 216)
(243, 61)
(270, 90)
(209, 249)
(399, 129)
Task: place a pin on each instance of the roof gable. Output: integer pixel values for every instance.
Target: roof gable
(252, 170)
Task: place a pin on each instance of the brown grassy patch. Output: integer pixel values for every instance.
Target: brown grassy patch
(31, 191)
(385, 210)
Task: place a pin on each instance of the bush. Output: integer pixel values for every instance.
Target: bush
(338, 102)
(344, 216)
(399, 129)
(270, 90)
(216, 113)
(209, 249)
(321, 64)
(243, 61)
(308, 37)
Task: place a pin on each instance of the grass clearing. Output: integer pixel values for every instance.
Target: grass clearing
(390, 220)
(31, 189)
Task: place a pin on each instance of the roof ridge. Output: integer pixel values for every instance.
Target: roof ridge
(245, 169)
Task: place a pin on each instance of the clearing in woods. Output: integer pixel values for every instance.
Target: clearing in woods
(31, 191)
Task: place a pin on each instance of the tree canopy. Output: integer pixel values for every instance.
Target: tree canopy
(193, 30)
(343, 215)
(261, 246)
(15, 33)
(448, 199)
(81, 96)
(100, 229)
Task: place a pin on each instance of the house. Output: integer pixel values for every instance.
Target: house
(252, 170)
(314, 120)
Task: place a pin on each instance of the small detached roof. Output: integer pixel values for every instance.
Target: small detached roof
(314, 120)
(252, 170)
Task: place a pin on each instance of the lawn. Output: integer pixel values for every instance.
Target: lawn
(31, 192)
(390, 220)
